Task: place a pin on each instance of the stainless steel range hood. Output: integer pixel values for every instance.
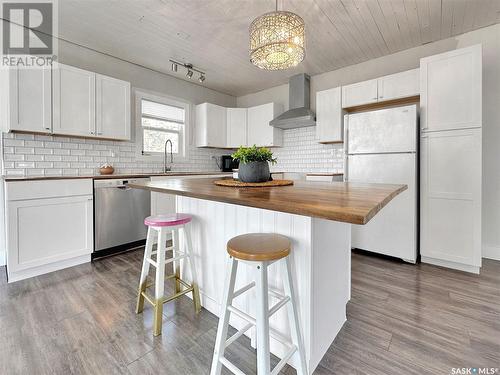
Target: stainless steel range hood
(299, 115)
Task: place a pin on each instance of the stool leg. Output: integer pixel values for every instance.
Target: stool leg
(227, 299)
(194, 277)
(293, 316)
(145, 269)
(177, 264)
(160, 281)
(262, 320)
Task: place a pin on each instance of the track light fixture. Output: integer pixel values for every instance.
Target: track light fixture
(190, 69)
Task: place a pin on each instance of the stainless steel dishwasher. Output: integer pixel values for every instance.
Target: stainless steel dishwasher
(119, 215)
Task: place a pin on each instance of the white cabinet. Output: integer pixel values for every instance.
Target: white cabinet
(260, 133)
(390, 87)
(210, 125)
(451, 85)
(329, 116)
(236, 127)
(325, 177)
(73, 101)
(112, 108)
(28, 99)
(360, 93)
(49, 226)
(451, 199)
(399, 85)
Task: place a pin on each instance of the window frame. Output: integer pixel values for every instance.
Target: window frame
(184, 136)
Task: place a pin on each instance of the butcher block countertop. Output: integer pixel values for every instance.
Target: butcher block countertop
(354, 203)
(112, 176)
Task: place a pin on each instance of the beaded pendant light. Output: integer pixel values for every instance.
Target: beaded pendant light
(277, 40)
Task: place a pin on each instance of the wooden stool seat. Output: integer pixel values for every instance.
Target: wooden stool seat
(259, 247)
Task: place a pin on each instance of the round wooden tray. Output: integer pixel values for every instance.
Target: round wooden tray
(236, 183)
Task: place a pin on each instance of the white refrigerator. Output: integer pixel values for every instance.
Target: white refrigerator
(381, 147)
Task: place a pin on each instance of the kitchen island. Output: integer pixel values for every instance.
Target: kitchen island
(316, 216)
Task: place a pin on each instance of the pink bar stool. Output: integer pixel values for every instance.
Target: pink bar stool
(160, 226)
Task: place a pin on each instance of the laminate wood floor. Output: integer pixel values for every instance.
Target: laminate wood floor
(402, 319)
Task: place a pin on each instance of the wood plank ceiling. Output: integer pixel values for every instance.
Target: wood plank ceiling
(213, 34)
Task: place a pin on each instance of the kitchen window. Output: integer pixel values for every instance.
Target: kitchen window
(160, 119)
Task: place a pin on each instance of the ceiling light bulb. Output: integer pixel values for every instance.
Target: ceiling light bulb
(202, 78)
(189, 73)
(174, 67)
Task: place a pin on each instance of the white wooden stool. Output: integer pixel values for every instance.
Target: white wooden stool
(259, 251)
(160, 225)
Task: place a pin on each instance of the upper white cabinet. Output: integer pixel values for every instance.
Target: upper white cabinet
(329, 116)
(236, 127)
(210, 125)
(65, 100)
(222, 127)
(112, 108)
(74, 101)
(399, 85)
(260, 133)
(391, 87)
(360, 93)
(28, 99)
(451, 90)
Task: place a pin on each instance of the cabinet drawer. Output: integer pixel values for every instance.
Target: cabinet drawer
(18, 190)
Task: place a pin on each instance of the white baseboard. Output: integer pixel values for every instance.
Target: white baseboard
(452, 265)
(2, 258)
(491, 252)
(40, 270)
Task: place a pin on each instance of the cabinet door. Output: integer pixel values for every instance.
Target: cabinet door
(43, 231)
(30, 98)
(451, 196)
(210, 125)
(74, 101)
(451, 90)
(112, 108)
(359, 93)
(260, 133)
(399, 85)
(236, 127)
(329, 116)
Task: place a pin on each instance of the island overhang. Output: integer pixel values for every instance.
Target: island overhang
(354, 203)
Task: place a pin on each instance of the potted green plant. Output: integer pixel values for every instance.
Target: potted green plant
(254, 163)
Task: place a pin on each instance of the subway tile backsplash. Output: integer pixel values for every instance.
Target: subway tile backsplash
(41, 155)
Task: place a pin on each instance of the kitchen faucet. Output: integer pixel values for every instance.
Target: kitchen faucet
(169, 168)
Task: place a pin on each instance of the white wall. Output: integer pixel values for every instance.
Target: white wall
(409, 59)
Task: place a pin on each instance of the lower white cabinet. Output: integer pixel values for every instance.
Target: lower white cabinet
(260, 133)
(49, 226)
(450, 200)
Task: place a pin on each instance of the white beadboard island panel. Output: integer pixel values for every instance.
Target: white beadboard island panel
(320, 263)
